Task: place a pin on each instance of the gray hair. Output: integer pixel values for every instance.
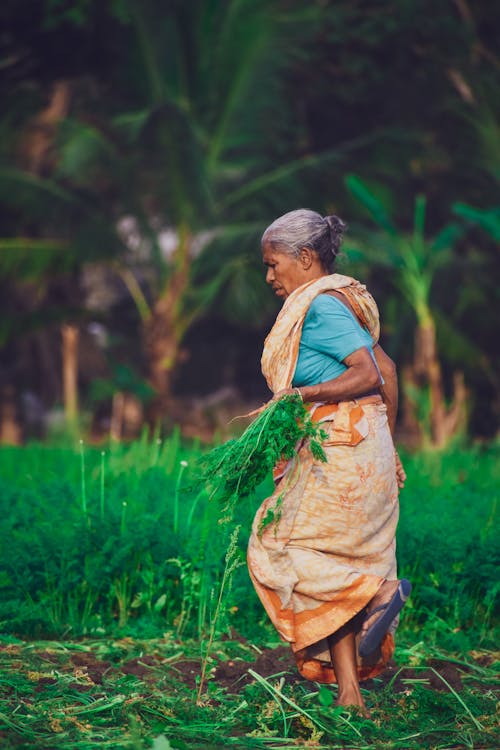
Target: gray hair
(304, 228)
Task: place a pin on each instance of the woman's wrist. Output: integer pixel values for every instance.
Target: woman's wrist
(310, 393)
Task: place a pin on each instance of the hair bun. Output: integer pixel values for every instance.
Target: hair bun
(336, 224)
(337, 229)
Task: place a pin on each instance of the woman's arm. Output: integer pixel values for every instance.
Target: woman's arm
(360, 377)
(389, 393)
(389, 390)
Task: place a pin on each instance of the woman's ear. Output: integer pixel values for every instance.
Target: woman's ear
(306, 258)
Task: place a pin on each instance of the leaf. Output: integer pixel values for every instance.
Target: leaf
(161, 743)
(160, 603)
(325, 696)
(447, 237)
(488, 218)
(370, 202)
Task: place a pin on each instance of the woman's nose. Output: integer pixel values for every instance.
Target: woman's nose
(270, 276)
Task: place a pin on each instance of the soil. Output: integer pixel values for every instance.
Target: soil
(186, 671)
(402, 677)
(436, 674)
(95, 668)
(143, 668)
(232, 674)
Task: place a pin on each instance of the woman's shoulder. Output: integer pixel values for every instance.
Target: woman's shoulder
(328, 304)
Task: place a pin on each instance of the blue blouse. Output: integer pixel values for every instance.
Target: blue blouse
(330, 334)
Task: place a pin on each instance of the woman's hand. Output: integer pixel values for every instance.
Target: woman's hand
(277, 396)
(286, 392)
(400, 472)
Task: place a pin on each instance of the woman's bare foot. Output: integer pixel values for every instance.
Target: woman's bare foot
(342, 645)
(352, 697)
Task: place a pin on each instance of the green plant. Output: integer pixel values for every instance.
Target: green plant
(233, 471)
(232, 561)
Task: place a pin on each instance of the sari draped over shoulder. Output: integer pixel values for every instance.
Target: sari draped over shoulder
(281, 346)
(333, 540)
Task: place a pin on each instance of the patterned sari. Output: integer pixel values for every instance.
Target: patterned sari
(333, 546)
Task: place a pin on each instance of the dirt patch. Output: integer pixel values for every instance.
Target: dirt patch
(485, 660)
(449, 672)
(43, 682)
(404, 678)
(233, 674)
(186, 671)
(48, 656)
(141, 668)
(95, 668)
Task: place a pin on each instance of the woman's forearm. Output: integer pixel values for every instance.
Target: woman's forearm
(389, 390)
(360, 377)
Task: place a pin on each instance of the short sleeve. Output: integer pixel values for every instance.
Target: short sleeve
(330, 328)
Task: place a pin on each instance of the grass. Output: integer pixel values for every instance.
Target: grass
(129, 621)
(132, 693)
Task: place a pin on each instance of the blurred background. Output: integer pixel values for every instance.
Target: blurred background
(145, 146)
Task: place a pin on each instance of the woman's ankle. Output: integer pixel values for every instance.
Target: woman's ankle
(350, 696)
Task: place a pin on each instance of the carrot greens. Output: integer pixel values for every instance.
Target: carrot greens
(233, 471)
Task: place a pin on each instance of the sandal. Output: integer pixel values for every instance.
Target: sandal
(373, 636)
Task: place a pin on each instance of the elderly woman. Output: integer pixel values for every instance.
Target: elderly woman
(326, 570)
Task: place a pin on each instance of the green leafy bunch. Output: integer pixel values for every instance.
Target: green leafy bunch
(232, 471)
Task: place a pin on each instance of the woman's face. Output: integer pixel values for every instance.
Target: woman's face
(284, 272)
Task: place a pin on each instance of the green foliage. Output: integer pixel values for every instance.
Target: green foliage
(413, 258)
(109, 541)
(487, 218)
(232, 471)
(210, 118)
(447, 542)
(123, 379)
(99, 544)
(273, 516)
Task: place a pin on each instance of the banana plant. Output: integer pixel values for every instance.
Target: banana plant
(414, 261)
(487, 219)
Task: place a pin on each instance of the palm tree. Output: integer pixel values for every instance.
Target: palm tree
(177, 179)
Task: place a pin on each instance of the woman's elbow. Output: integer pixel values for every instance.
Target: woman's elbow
(374, 378)
(371, 376)
(390, 368)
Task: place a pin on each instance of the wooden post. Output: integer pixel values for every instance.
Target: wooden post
(70, 335)
(10, 430)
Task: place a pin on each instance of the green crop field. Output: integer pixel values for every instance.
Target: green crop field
(128, 619)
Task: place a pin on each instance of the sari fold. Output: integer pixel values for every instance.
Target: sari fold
(332, 543)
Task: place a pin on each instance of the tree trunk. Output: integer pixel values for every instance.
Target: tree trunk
(37, 145)
(70, 336)
(10, 429)
(164, 329)
(443, 422)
